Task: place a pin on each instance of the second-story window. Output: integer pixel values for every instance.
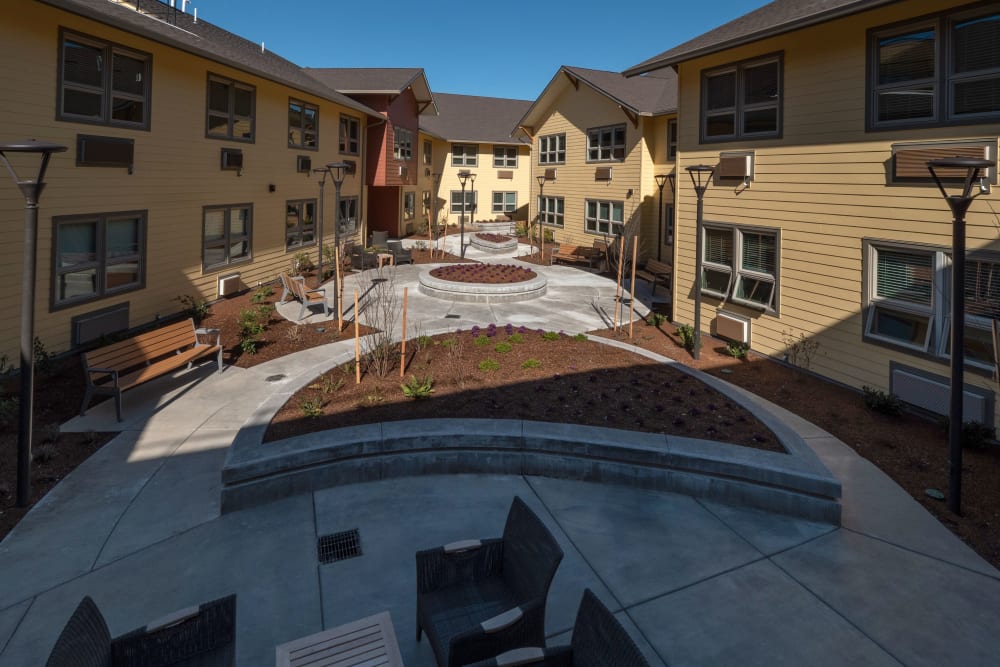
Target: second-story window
(552, 149)
(403, 144)
(350, 135)
(505, 157)
(428, 153)
(671, 139)
(606, 144)
(464, 155)
(230, 109)
(742, 101)
(303, 125)
(103, 83)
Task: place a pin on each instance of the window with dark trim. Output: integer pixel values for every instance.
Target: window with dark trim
(303, 125)
(741, 264)
(606, 144)
(230, 109)
(471, 197)
(226, 235)
(464, 155)
(742, 100)
(940, 70)
(348, 218)
(350, 135)
(97, 255)
(409, 205)
(300, 223)
(505, 157)
(428, 153)
(504, 202)
(552, 149)
(402, 147)
(103, 83)
(425, 197)
(552, 211)
(604, 217)
(668, 222)
(672, 139)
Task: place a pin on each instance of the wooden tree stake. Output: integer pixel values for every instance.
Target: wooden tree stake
(402, 349)
(631, 301)
(357, 342)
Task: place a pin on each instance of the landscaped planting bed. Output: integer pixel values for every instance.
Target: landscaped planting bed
(486, 274)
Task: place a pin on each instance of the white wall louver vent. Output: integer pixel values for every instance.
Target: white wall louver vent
(933, 394)
(229, 285)
(732, 327)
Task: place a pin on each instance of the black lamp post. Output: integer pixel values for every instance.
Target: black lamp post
(701, 176)
(541, 232)
(661, 180)
(338, 170)
(434, 212)
(31, 189)
(959, 204)
(322, 171)
(463, 178)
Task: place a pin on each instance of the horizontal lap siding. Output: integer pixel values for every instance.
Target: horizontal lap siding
(823, 185)
(176, 173)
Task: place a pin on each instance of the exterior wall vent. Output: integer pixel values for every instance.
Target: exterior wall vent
(603, 174)
(505, 175)
(229, 285)
(732, 327)
(403, 171)
(550, 174)
(933, 393)
(736, 166)
(303, 164)
(94, 151)
(909, 160)
(91, 326)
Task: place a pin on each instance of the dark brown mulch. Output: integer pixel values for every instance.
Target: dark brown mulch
(563, 379)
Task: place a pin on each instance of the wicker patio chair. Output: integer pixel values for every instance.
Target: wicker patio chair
(599, 640)
(399, 254)
(379, 241)
(196, 637)
(479, 598)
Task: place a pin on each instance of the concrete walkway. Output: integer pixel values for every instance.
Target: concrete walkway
(138, 528)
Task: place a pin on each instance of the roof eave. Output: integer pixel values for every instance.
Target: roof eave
(672, 61)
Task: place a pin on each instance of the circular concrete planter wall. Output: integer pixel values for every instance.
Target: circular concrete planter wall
(505, 247)
(480, 292)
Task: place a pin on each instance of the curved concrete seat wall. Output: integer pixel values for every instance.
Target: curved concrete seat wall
(792, 483)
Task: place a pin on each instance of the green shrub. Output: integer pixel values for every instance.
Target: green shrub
(418, 387)
(482, 340)
(881, 401)
(974, 434)
(656, 319)
(424, 342)
(531, 363)
(262, 293)
(9, 409)
(252, 322)
(302, 262)
(503, 348)
(489, 365)
(580, 338)
(550, 335)
(737, 349)
(197, 309)
(311, 407)
(515, 338)
(686, 333)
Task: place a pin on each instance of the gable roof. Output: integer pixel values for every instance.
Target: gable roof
(776, 18)
(377, 81)
(652, 95)
(473, 119)
(204, 39)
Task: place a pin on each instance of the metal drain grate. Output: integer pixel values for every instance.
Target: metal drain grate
(452, 316)
(274, 378)
(339, 546)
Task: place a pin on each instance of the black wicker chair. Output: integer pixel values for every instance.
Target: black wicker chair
(479, 598)
(399, 254)
(599, 640)
(199, 636)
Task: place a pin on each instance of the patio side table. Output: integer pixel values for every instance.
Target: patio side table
(370, 640)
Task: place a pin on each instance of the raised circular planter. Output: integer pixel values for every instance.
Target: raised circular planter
(494, 245)
(497, 227)
(482, 292)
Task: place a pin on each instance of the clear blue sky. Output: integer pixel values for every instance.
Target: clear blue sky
(505, 48)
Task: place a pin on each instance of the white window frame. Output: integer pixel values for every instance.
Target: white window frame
(402, 144)
(471, 201)
(552, 149)
(465, 155)
(505, 157)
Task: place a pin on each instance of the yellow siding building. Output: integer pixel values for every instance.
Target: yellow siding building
(128, 225)
(826, 226)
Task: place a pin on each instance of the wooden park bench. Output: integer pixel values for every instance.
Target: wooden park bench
(656, 273)
(576, 254)
(296, 287)
(121, 366)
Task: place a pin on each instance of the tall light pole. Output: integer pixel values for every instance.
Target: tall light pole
(322, 171)
(959, 204)
(701, 176)
(541, 232)
(434, 212)
(661, 180)
(31, 188)
(463, 178)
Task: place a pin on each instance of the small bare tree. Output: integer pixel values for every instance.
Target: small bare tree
(630, 230)
(380, 309)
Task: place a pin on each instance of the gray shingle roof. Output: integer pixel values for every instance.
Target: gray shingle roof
(474, 119)
(651, 95)
(778, 17)
(206, 40)
(376, 80)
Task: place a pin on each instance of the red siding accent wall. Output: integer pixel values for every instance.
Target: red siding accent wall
(383, 210)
